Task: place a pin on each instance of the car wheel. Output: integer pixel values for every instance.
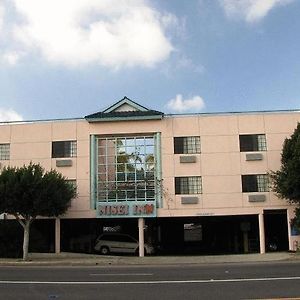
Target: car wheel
(104, 250)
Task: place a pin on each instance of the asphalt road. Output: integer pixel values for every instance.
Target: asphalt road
(222, 281)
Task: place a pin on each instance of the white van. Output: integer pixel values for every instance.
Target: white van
(119, 243)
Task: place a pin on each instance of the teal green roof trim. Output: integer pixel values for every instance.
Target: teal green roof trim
(131, 118)
(111, 114)
(246, 112)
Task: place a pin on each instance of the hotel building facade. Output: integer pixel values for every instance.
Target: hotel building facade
(192, 183)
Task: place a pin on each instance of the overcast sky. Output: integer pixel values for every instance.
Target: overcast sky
(66, 58)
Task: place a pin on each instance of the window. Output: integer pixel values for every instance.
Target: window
(188, 185)
(253, 142)
(255, 183)
(126, 168)
(72, 182)
(4, 151)
(64, 149)
(187, 145)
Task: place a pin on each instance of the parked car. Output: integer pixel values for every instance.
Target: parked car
(119, 243)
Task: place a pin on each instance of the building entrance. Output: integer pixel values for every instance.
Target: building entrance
(276, 230)
(208, 235)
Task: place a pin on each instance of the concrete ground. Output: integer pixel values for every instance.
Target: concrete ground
(78, 259)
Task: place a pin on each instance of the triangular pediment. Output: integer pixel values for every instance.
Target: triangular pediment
(125, 109)
(125, 104)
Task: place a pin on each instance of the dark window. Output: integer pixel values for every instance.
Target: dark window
(188, 185)
(72, 182)
(4, 151)
(255, 183)
(108, 237)
(253, 142)
(126, 239)
(64, 149)
(187, 145)
(117, 238)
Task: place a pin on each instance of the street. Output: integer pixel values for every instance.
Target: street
(213, 281)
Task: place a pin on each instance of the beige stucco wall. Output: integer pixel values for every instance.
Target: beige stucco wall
(220, 162)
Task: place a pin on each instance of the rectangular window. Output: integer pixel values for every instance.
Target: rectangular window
(72, 182)
(64, 149)
(255, 183)
(187, 145)
(126, 168)
(253, 142)
(188, 185)
(4, 151)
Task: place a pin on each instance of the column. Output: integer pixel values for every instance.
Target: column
(141, 224)
(289, 230)
(57, 235)
(261, 233)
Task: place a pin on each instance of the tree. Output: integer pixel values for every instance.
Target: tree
(286, 181)
(29, 192)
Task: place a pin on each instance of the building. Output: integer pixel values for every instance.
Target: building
(192, 183)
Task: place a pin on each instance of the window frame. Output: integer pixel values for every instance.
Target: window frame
(259, 184)
(127, 168)
(69, 149)
(187, 145)
(73, 182)
(5, 151)
(252, 142)
(188, 185)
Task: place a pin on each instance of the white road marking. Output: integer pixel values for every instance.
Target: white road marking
(122, 274)
(148, 282)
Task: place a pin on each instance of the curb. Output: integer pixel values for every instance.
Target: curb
(75, 259)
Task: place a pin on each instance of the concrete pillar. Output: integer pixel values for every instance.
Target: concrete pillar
(141, 224)
(57, 235)
(289, 230)
(261, 233)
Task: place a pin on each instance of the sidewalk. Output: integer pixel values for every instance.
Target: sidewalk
(78, 259)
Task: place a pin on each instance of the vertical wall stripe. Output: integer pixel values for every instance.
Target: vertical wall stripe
(93, 171)
(158, 185)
